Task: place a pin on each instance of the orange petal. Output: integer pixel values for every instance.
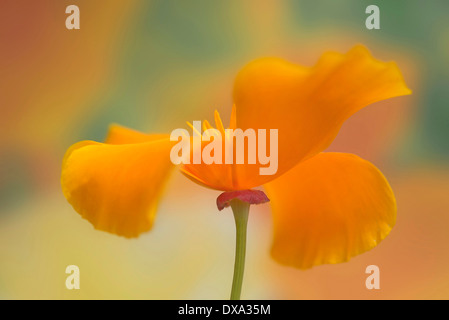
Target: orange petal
(328, 209)
(116, 187)
(118, 134)
(217, 176)
(309, 105)
(213, 175)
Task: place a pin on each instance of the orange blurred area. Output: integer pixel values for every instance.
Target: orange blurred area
(413, 260)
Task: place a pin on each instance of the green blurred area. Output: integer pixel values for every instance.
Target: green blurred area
(177, 60)
(173, 44)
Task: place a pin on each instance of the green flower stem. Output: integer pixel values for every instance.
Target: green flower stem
(241, 210)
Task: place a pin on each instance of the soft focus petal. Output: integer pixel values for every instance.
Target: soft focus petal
(213, 175)
(116, 187)
(328, 209)
(118, 134)
(309, 105)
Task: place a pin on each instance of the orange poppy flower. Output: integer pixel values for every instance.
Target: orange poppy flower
(327, 207)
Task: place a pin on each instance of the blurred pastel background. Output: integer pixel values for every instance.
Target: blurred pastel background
(152, 65)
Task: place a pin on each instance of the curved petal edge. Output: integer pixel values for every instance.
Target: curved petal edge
(116, 187)
(329, 209)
